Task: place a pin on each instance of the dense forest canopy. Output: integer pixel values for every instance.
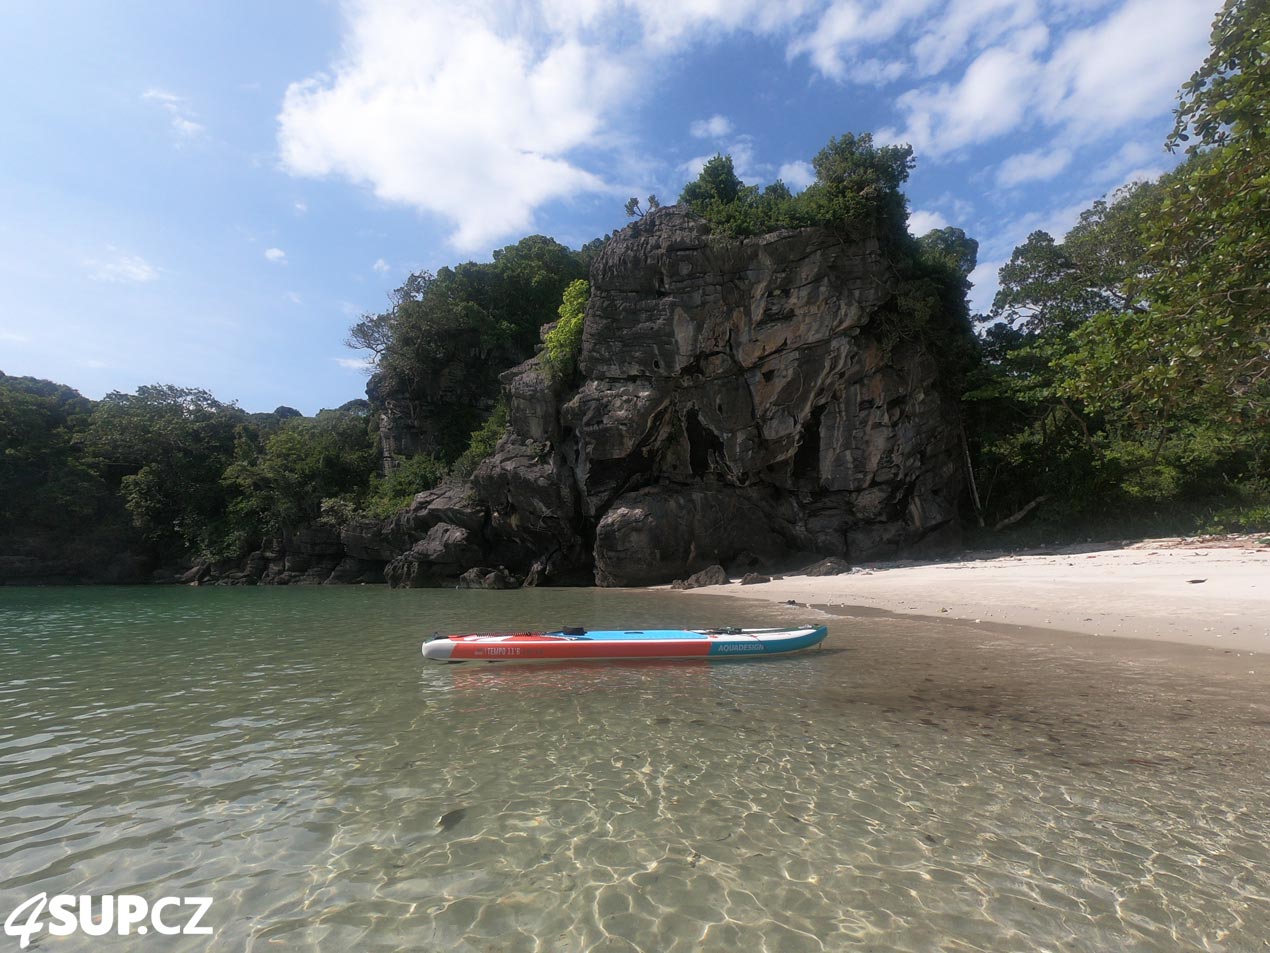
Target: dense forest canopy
(1120, 382)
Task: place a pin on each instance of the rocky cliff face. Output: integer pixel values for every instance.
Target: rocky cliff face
(741, 401)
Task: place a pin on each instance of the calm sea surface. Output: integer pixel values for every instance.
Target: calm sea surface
(289, 754)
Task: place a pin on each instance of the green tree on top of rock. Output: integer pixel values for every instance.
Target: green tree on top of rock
(857, 189)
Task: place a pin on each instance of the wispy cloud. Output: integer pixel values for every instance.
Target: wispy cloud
(921, 221)
(843, 28)
(179, 113)
(355, 363)
(13, 337)
(716, 127)
(294, 298)
(1083, 82)
(797, 175)
(121, 268)
(276, 255)
(381, 267)
(1035, 166)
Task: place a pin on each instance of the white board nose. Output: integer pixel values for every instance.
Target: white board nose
(438, 650)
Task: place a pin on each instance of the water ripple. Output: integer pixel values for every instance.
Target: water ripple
(289, 754)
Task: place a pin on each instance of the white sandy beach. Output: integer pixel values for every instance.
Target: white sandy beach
(1172, 590)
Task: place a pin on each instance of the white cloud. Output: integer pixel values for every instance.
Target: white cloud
(1125, 67)
(178, 111)
(13, 337)
(381, 266)
(301, 206)
(480, 112)
(848, 25)
(121, 267)
(992, 97)
(1038, 166)
(1135, 162)
(456, 110)
(797, 175)
(985, 281)
(355, 363)
(276, 255)
(967, 27)
(716, 127)
(1130, 64)
(691, 168)
(921, 221)
(294, 298)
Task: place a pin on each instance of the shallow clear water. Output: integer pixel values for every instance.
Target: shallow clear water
(910, 787)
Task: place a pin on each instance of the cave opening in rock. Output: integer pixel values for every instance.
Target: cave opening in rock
(807, 456)
(701, 441)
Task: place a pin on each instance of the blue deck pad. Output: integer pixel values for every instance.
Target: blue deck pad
(622, 635)
(727, 645)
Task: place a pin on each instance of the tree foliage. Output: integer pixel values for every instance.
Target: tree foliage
(45, 485)
(395, 490)
(564, 341)
(1197, 344)
(857, 190)
(165, 448)
(447, 336)
(634, 209)
(280, 481)
(1127, 371)
(1225, 101)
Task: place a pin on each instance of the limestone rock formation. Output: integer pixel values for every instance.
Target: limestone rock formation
(741, 400)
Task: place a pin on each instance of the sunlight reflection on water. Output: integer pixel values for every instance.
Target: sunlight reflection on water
(289, 754)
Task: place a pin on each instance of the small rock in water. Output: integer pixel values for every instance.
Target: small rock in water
(452, 819)
(1194, 581)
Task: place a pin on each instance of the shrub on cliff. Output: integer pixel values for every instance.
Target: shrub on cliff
(564, 341)
(482, 443)
(395, 491)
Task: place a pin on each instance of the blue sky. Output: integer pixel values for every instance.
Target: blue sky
(209, 194)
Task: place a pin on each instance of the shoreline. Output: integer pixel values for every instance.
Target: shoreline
(1215, 594)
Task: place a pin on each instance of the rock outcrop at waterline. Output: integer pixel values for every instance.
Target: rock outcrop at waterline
(741, 402)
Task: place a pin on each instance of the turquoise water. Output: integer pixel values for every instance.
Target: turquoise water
(288, 753)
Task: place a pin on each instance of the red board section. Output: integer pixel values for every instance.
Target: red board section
(533, 646)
